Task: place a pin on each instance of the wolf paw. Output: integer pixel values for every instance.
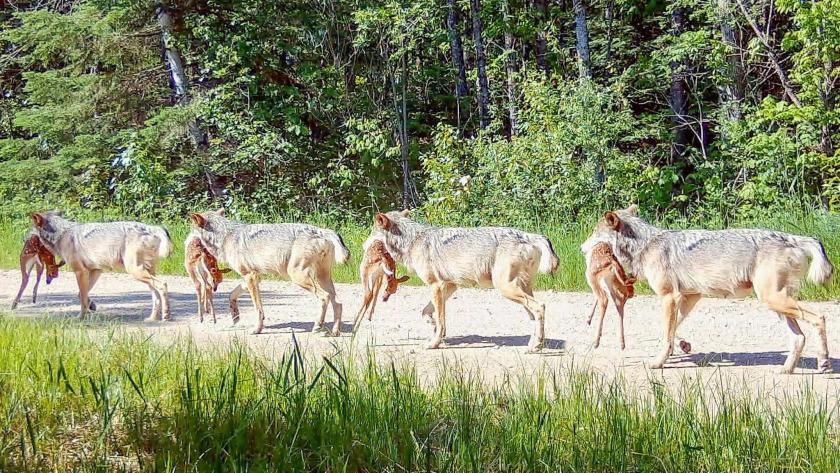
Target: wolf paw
(535, 347)
(824, 366)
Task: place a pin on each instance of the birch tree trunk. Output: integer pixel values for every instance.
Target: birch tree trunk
(180, 94)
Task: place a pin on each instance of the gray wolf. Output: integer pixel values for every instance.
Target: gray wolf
(203, 269)
(446, 258)
(35, 254)
(681, 266)
(606, 278)
(91, 248)
(376, 265)
(298, 252)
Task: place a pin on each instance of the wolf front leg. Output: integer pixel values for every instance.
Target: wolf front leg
(252, 281)
(83, 280)
(439, 301)
(669, 326)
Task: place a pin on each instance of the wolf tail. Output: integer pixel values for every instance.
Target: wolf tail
(548, 259)
(821, 268)
(342, 254)
(165, 247)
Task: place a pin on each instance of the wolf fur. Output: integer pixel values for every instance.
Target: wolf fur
(298, 252)
(92, 248)
(446, 258)
(681, 266)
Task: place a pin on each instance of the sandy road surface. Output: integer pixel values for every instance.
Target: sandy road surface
(733, 339)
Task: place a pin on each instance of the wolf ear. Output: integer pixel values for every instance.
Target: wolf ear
(382, 221)
(37, 219)
(633, 210)
(198, 220)
(405, 212)
(612, 220)
(221, 211)
(403, 279)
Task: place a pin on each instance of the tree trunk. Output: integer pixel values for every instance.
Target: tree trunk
(828, 98)
(400, 102)
(510, 70)
(177, 77)
(582, 44)
(461, 88)
(732, 89)
(542, 43)
(679, 98)
(180, 95)
(481, 66)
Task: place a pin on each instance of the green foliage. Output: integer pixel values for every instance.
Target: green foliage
(303, 104)
(566, 152)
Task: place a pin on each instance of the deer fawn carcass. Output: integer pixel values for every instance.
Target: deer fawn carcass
(376, 265)
(35, 255)
(204, 271)
(606, 277)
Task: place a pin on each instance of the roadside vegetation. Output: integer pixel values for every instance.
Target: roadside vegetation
(100, 398)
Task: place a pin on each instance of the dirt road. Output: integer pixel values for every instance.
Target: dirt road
(733, 339)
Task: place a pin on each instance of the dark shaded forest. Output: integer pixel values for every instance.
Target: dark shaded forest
(475, 110)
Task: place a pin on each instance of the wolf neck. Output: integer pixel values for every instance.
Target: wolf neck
(53, 237)
(632, 246)
(215, 240)
(411, 232)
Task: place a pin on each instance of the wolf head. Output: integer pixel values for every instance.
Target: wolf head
(50, 226)
(624, 231)
(395, 229)
(610, 228)
(211, 226)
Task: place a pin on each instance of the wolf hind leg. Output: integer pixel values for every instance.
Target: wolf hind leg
(327, 295)
(304, 278)
(773, 288)
(524, 297)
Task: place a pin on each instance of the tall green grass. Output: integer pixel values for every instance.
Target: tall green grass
(103, 400)
(565, 236)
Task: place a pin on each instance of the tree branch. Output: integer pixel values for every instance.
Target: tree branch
(774, 60)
